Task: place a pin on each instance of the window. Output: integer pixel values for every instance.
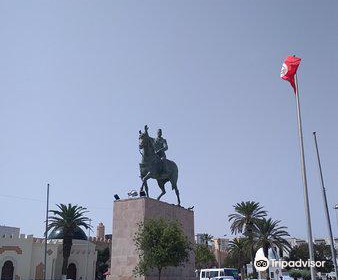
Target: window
(231, 272)
(213, 273)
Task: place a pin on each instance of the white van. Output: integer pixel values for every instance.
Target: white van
(229, 273)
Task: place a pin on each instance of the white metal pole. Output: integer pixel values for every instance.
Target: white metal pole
(327, 214)
(306, 195)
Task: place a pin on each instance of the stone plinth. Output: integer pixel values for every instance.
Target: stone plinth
(127, 214)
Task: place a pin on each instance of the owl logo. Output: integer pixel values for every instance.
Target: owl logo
(261, 263)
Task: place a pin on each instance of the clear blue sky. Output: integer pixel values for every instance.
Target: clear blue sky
(78, 79)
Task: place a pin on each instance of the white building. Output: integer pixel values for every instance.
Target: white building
(15, 232)
(293, 241)
(22, 256)
(199, 238)
(220, 244)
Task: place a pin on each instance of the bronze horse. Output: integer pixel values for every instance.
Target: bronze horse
(152, 166)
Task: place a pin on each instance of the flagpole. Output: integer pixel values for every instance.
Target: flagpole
(306, 195)
(46, 235)
(327, 214)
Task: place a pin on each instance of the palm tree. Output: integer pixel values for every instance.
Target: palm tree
(269, 234)
(206, 238)
(238, 249)
(68, 218)
(244, 220)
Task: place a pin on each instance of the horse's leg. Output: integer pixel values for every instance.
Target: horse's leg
(174, 187)
(146, 188)
(142, 186)
(178, 196)
(144, 183)
(141, 189)
(161, 185)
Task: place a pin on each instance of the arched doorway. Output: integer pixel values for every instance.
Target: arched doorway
(71, 271)
(7, 271)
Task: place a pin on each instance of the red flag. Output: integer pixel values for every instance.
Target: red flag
(289, 70)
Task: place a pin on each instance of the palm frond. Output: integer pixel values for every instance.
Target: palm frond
(269, 234)
(68, 218)
(246, 215)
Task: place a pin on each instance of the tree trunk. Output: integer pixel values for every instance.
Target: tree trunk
(254, 272)
(252, 255)
(67, 247)
(240, 265)
(159, 273)
(242, 273)
(266, 254)
(249, 234)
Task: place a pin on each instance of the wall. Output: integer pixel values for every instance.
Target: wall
(27, 253)
(127, 214)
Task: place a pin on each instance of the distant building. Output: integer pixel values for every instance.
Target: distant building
(199, 238)
(295, 241)
(102, 240)
(220, 248)
(9, 231)
(100, 231)
(320, 241)
(22, 256)
(220, 244)
(108, 236)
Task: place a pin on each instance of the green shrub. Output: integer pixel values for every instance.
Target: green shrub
(298, 273)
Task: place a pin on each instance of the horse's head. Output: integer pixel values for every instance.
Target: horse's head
(146, 144)
(144, 139)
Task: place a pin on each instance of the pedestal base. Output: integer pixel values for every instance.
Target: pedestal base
(127, 214)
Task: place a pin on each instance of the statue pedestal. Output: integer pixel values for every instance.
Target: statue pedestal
(127, 214)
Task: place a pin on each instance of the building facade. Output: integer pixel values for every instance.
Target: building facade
(220, 244)
(199, 238)
(22, 257)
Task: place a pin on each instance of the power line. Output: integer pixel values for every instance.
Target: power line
(22, 198)
(43, 201)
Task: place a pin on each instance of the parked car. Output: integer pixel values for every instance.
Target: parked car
(223, 278)
(226, 273)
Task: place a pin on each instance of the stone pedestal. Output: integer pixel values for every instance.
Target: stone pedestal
(127, 214)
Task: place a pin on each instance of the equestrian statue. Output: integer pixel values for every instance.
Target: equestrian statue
(154, 163)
